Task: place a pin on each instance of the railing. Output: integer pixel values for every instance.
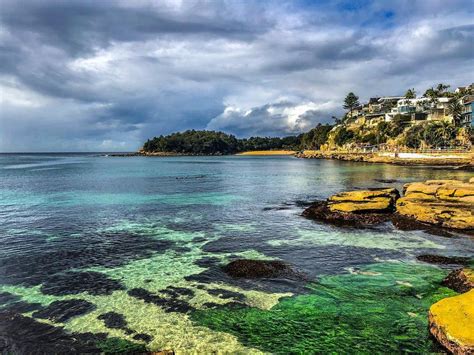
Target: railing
(385, 149)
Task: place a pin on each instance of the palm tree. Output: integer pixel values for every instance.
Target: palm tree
(432, 94)
(410, 94)
(455, 109)
(441, 88)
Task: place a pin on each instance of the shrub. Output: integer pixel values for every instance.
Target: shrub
(343, 136)
(414, 136)
(439, 134)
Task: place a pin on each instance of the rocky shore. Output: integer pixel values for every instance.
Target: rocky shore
(446, 204)
(462, 161)
(440, 204)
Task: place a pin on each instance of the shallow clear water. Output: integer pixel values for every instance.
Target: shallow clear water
(122, 254)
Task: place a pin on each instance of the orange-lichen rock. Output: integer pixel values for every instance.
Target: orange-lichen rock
(452, 323)
(361, 201)
(446, 203)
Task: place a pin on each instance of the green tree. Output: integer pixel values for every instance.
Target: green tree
(316, 137)
(439, 134)
(455, 109)
(442, 88)
(410, 94)
(343, 136)
(351, 101)
(398, 125)
(414, 136)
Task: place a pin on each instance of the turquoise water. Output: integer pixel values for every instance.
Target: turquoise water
(125, 254)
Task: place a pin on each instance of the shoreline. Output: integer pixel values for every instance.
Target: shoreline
(457, 161)
(451, 160)
(172, 154)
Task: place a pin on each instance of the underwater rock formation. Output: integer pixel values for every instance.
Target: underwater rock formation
(460, 280)
(451, 320)
(445, 203)
(246, 268)
(62, 311)
(444, 260)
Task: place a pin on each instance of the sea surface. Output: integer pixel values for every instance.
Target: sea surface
(125, 255)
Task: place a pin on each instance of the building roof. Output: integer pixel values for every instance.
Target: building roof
(391, 98)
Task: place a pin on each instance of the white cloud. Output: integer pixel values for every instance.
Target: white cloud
(125, 71)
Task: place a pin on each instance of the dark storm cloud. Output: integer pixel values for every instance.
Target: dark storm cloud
(79, 26)
(106, 75)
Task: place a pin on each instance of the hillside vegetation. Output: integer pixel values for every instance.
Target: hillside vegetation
(437, 119)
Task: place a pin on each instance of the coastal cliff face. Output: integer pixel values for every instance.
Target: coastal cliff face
(445, 203)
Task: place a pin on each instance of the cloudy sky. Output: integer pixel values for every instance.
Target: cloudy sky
(105, 75)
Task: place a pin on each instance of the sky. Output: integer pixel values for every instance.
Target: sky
(106, 75)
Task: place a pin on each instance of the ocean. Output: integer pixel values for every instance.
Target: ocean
(125, 254)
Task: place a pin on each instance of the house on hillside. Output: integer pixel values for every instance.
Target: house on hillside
(468, 106)
(439, 110)
(422, 109)
(465, 89)
(415, 109)
(374, 111)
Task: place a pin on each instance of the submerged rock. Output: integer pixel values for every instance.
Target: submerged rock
(320, 211)
(460, 280)
(445, 203)
(444, 260)
(113, 320)
(62, 311)
(386, 181)
(24, 335)
(451, 323)
(246, 268)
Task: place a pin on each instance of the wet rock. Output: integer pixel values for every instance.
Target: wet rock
(409, 224)
(359, 208)
(113, 320)
(320, 211)
(70, 283)
(62, 311)
(460, 280)
(445, 203)
(386, 181)
(25, 335)
(245, 268)
(444, 260)
(450, 322)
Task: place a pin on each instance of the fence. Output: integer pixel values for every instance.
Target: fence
(391, 149)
